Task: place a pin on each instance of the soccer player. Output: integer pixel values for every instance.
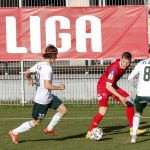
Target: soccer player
(43, 99)
(107, 86)
(143, 92)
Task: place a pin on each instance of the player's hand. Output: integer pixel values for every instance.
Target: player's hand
(130, 101)
(30, 82)
(62, 86)
(123, 100)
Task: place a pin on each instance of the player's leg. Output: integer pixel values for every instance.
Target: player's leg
(22, 128)
(61, 111)
(102, 102)
(136, 119)
(38, 114)
(129, 108)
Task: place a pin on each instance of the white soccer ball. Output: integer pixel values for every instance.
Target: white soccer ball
(96, 134)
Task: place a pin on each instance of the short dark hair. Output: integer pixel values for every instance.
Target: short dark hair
(50, 52)
(127, 55)
(149, 50)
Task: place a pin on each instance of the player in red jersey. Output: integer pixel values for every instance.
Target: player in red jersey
(107, 86)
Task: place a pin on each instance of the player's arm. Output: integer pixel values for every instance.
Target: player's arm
(131, 77)
(111, 79)
(48, 85)
(28, 74)
(133, 73)
(110, 88)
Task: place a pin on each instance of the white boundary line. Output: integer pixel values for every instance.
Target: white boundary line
(79, 118)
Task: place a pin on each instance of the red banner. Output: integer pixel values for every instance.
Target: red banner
(79, 33)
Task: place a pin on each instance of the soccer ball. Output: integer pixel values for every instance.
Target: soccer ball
(96, 134)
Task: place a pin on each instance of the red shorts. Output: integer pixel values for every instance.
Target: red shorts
(103, 94)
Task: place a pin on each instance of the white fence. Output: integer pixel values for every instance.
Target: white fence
(80, 77)
(80, 82)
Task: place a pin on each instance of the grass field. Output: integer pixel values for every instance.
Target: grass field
(72, 130)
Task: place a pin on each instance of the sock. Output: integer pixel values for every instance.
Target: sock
(136, 121)
(96, 119)
(24, 127)
(130, 115)
(56, 118)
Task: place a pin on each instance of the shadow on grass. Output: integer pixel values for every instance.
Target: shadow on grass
(113, 128)
(145, 133)
(105, 139)
(120, 129)
(82, 135)
(143, 122)
(144, 127)
(58, 139)
(110, 130)
(141, 141)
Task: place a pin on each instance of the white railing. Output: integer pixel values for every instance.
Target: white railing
(80, 82)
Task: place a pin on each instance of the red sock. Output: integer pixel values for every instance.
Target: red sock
(130, 115)
(96, 119)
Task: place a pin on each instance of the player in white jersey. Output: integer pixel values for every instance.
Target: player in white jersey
(143, 92)
(43, 99)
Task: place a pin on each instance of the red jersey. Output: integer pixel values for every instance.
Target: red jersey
(113, 73)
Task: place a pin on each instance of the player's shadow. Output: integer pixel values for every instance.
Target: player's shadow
(141, 141)
(81, 135)
(144, 126)
(146, 133)
(143, 122)
(114, 129)
(120, 129)
(110, 130)
(105, 139)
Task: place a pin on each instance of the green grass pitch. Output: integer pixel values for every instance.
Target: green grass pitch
(72, 130)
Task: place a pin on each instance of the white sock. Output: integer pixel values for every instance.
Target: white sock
(24, 127)
(136, 121)
(56, 118)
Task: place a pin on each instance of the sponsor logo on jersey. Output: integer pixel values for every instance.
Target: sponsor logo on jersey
(111, 75)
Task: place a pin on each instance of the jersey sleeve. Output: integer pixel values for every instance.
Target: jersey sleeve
(111, 78)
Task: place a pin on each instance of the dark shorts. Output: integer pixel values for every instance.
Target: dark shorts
(39, 111)
(141, 102)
